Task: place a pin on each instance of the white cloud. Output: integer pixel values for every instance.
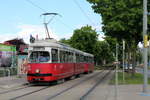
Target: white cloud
(5, 37)
(34, 30)
(101, 37)
(26, 30)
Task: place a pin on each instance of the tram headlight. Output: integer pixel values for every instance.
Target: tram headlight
(37, 71)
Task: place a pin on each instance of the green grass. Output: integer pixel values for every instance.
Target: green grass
(129, 79)
(101, 67)
(98, 68)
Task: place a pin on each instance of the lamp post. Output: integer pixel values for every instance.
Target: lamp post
(145, 83)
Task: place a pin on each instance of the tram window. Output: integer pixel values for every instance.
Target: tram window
(66, 56)
(82, 58)
(85, 60)
(88, 59)
(61, 55)
(54, 55)
(92, 60)
(77, 58)
(71, 57)
(39, 56)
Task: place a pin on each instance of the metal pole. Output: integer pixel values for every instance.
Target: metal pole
(123, 60)
(116, 73)
(145, 48)
(45, 24)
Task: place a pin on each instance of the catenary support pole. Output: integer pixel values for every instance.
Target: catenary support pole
(123, 47)
(145, 45)
(116, 74)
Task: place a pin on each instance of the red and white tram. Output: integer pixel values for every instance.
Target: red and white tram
(50, 60)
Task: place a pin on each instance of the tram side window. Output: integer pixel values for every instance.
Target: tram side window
(82, 58)
(71, 57)
(61, 56)
(88, 59)
(64, 56)
(67, 56)
(92, 59)
(85, 59)
(54, 55)
(78, 58)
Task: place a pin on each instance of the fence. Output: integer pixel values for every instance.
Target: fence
(8, 71)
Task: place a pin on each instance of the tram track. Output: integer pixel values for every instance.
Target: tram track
(29, 93)
(94, 86)
(56, 94)
(16, 89)
(73, 86)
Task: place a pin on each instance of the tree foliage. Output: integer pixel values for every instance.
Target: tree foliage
(65, 41)
(84, 39)
(121, 18)
(103, 52)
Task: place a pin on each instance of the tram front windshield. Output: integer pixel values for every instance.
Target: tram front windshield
(39, 57)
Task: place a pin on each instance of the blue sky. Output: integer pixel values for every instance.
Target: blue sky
(20, 18)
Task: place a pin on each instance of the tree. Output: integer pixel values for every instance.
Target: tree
(84, 39)
(122, 19)
(103, 53)
(65, 41)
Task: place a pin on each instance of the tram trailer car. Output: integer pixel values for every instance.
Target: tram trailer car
(89, 63)
(50, 60)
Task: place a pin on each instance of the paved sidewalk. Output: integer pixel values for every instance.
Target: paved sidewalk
(129, 92)
(12, 81)
(125, 92)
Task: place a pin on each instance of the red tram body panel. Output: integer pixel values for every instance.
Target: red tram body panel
(49, 72)
(79, 68)
(50, 60)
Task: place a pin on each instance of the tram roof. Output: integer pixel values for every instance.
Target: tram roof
(56, 44)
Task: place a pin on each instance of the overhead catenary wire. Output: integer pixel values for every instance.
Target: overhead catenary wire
(66, 25)
(35, 5)
(84, 13)
(42, 9)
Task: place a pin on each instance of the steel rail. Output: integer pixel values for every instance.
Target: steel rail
(94, 86)
(74, 85)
